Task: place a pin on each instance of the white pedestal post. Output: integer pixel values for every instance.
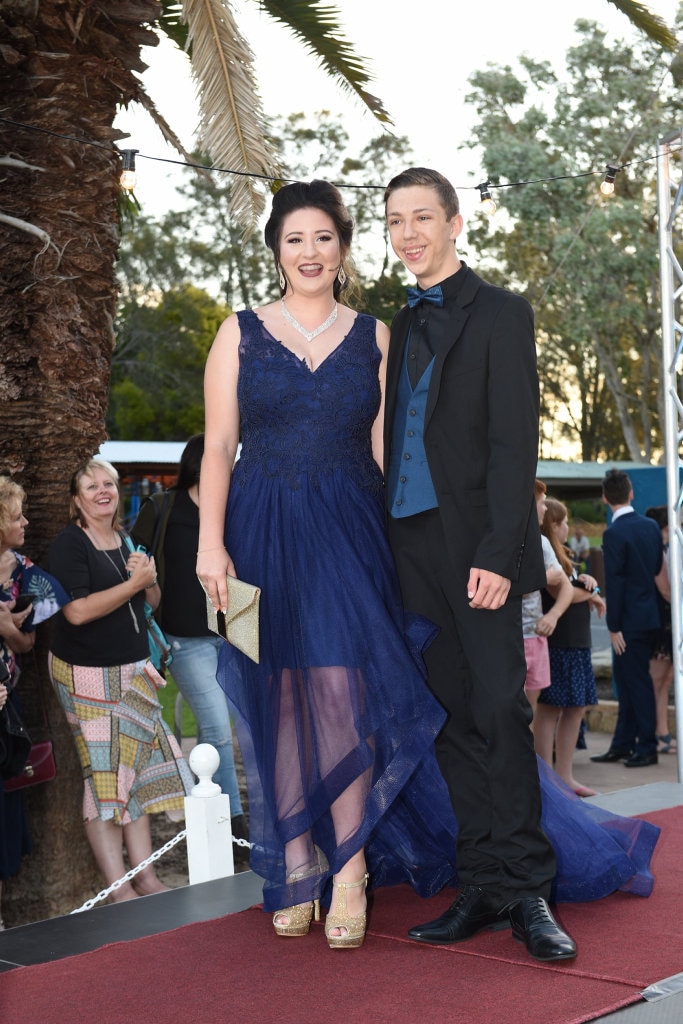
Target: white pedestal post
(207, 817)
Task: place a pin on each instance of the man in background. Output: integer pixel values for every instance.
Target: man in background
(635, 569)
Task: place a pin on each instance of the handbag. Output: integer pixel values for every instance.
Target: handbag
(160, 653)
(15, 743)
(40, 767)
(240, 624)
(27, 763)
(159, 648)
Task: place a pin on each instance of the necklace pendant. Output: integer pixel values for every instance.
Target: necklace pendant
(308, 335)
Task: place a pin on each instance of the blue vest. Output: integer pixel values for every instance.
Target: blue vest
(410, 486)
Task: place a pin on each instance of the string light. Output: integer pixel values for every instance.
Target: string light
(488, 204)
(128, 155)
(607, 186)
(128, 176)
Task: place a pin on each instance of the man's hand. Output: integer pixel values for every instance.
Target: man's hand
(618, 642)
(487, 589)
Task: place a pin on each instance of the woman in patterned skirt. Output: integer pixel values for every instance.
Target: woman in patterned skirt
(99, 664)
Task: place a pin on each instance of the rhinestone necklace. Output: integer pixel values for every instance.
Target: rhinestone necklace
(308, 335)
(123, 574)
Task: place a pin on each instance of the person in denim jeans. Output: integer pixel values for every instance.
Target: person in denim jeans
(174, 517)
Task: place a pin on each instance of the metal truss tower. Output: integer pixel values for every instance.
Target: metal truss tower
(669, 201)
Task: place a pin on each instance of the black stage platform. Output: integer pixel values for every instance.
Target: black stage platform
(118, 922)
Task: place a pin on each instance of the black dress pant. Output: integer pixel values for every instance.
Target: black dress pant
(637, 716)
(476, 669)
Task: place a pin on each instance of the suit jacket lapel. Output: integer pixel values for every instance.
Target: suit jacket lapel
(457, 322)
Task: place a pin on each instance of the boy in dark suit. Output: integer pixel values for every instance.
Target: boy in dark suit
(635, 569)
(461, 445)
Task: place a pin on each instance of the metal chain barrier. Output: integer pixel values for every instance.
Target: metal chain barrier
(89, 904)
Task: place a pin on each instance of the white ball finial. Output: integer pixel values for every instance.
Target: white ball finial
(204, 762)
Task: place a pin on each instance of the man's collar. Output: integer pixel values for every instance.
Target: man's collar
(621, 511)
(451, 285)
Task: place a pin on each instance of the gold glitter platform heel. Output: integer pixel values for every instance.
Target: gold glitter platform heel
(300, 916)
(339, 918)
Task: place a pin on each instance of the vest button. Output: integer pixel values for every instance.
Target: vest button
(406, 456)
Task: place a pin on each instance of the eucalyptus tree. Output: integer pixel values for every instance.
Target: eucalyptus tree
(588, 263)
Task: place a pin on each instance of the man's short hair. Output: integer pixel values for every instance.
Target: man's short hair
(616, 487)
(448, 197)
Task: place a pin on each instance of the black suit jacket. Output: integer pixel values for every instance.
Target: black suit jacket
(633, 552)
(481, 431)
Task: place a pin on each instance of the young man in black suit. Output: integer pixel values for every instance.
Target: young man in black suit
(461, 446)
(635, 568)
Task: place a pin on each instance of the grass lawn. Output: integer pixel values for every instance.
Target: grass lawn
(167, 698)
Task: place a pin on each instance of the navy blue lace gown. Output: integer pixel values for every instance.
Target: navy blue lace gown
(336, 725)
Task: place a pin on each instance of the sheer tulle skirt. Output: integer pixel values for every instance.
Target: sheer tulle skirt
(336, 725)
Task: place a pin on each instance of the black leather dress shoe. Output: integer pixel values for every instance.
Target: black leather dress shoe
(640, 760)
(534, 925)
(611, 755)
(473, 910)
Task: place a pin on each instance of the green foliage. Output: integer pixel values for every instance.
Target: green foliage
(383, 297)
(158, 365)
(167, 698)
(587, 511)
(588, 265)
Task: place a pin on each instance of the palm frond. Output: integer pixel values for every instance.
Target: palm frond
(651, 24)
(316, 24)
(232, 125)
(171, 22)
(143, 98)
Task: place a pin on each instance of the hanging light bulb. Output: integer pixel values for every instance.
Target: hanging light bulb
(607, 186)
(488, 204)
(128, 177)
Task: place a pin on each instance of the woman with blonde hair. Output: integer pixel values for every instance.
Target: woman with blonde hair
(561, 706)
(99, 665)
(15, 841)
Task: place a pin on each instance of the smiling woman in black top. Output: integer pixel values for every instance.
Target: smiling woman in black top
(99, 664)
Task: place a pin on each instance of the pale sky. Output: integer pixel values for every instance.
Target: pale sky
(420, 62)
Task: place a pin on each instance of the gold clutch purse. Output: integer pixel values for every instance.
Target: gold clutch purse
(240, 626)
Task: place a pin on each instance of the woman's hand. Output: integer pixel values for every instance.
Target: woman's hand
(213, 565)
(598, 603)
(11, 622)
(589, 582)
(142, 570)
(545, 626)
(18, 618)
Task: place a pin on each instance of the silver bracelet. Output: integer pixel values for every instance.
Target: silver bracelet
(152, 584)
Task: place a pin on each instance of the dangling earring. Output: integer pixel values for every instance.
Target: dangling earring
(283, 280)
(341, 276)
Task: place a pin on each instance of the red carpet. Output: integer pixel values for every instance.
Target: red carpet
(236, 970)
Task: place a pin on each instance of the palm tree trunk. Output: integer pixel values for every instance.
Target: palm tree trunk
(64, 68)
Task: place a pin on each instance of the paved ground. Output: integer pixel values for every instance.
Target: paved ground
(608, 778)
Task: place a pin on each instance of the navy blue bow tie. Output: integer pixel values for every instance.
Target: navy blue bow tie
(433, 294)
